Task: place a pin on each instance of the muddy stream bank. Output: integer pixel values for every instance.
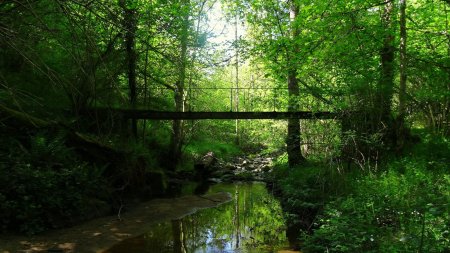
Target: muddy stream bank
(229, 216)
(100, 234)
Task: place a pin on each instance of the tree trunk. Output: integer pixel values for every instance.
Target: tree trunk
(237, 140)
(130, 25)
(382, 106)
(177, 127)
(293, 141)
(401, 131)
(446, 115)
(146, 95)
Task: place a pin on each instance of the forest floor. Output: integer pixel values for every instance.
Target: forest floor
(100, 234)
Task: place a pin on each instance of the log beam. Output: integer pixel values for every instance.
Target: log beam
(170, 115)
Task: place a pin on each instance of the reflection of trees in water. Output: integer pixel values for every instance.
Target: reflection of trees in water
(253, 222)
(179, 239)
(236, 217)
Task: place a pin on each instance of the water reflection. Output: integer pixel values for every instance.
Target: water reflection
(252, 222)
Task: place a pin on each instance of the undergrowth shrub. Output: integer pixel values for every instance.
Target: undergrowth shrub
(305, 189)
(158, 134)
(140, 155)
(46, 186)
(403, 209)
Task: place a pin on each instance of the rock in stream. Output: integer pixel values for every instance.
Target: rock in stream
(242, 168)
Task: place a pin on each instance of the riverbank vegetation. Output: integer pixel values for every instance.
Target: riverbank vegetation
(400, 205)
(358, 93)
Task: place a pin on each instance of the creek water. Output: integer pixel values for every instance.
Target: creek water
(251, 223)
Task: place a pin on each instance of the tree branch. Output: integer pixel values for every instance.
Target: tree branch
(314, 93)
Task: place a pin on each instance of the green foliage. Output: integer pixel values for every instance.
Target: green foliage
(140, 171)
(306, 188)
(60, 59)
(403, 209)
(140, 155)
(157, 134)
(47, 150)
(46, 187)
(265, 136)
(35, 199)
(220, 149)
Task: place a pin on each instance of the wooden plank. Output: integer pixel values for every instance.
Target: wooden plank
(162, 115)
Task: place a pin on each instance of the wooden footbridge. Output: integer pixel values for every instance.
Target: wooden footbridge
(170, 115)
(242, 106)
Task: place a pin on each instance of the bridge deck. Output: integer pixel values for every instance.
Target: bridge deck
(168, 115)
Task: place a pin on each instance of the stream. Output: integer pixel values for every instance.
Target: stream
(252, 222)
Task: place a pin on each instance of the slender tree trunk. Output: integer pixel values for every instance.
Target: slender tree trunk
(237, 75)
(177, 127)
(403, 60)
(189, 100)
(447, 100)
(401, 131)
(386, 84)
(130, 24)
(293, 141)
(146, 95)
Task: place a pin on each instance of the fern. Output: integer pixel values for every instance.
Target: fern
(46, 149)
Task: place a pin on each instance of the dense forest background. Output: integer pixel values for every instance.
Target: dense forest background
(376, 178)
